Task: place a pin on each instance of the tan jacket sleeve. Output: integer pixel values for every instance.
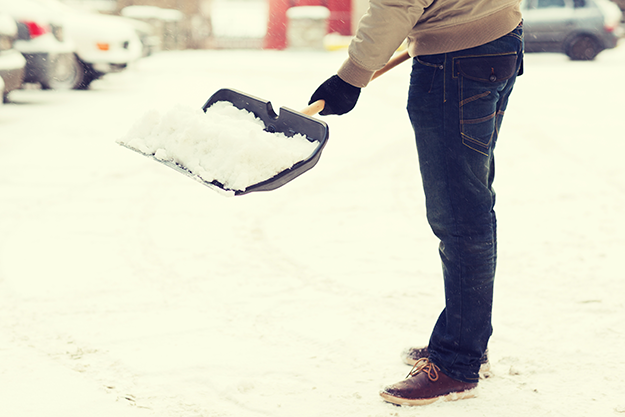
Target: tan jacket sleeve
(380, 32)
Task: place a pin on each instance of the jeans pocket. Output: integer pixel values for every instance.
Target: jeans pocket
(481, 81)
(426, 67)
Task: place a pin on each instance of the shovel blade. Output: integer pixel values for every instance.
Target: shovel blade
(289, 122)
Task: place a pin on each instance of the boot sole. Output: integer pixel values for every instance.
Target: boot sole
(453, 396)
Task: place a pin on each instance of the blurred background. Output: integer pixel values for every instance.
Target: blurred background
(129, 290)
(67, 44)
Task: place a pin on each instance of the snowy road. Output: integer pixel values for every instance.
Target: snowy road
(129, 290)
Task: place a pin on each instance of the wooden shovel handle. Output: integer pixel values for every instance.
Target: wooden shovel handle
(314, 108)
(318, 105)
(392, 63)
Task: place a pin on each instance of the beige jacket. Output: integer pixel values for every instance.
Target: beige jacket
(431, 26)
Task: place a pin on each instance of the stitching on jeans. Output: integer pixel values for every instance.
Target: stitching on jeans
(473, 98)
(445, 79)
(478, 120)
(436, 68)
(514, 35)
(468, 145)
(477, 142)
(427, 64)
(467, 140)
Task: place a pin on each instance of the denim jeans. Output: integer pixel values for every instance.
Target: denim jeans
(456, 105)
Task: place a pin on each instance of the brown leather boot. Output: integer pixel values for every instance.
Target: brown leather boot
(425, 384)
(410, 357)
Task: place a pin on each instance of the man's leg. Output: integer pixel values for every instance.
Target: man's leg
(456, 104)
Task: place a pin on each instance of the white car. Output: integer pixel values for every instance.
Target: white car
(12, 62)
(104, 43)
(50, 59)
(66, 48)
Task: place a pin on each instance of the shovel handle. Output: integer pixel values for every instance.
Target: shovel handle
(318, 105)
(392, 63)
(314, 108)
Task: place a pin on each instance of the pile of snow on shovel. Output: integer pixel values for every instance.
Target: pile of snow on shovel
(225, 144)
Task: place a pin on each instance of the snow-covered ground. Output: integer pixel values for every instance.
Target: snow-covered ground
(129, 290)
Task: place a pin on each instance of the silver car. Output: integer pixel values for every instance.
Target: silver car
(579, 28)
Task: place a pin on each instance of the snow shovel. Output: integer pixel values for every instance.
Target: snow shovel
(288, 121)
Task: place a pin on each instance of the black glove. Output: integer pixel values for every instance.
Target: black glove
(340, 97)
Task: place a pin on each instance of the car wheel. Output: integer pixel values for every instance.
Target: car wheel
(583, 48)
(88, 76)
(67, 73)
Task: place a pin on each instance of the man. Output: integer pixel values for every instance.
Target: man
(467, 54)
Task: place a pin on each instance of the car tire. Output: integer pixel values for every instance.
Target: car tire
(583, 48)
(67, 73)
(89, 75)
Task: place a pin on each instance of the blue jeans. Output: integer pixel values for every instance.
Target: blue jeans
(456, 105)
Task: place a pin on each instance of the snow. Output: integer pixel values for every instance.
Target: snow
(239, 18)
(12, 60)
(225, 144)
(308, 12)
(7, 25)
(152, 12)
(127, 289)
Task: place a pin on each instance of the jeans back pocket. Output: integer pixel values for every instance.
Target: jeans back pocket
(482, 80)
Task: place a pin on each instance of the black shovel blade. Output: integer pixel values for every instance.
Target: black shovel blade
(289, 122)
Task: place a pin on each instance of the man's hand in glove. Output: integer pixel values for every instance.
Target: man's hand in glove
(340, 97)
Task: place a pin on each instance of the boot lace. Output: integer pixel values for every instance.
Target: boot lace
(424, 365)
